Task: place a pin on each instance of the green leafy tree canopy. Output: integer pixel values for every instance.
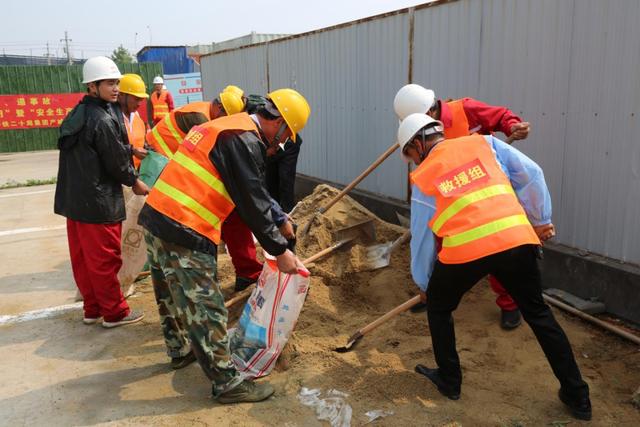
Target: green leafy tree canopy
(121, 56)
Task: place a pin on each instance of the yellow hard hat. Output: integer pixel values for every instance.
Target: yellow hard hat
(234, 89)
(294, 108)
(133, 85)
(232, 102)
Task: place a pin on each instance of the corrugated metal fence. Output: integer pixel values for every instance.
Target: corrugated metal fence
(570, 67)
(51, 79)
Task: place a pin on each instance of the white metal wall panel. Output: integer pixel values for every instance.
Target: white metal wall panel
(601, 195)
(246, 68)
(524, 65)
(446, 48)
(570, 67)
(350, 76)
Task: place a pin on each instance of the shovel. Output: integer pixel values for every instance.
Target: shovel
(403, 220)
(364, 230)
(349, 187)
(379, 256)
(357, 336)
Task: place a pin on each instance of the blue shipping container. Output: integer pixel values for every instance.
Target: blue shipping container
(174, 59)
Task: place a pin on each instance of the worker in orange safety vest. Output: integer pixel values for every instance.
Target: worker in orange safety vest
(489, 206)
(464, 117)
(133, 93)
(166, 136)
(218, 169)
(161, 100)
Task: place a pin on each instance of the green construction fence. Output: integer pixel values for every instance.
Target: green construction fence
(20, 79)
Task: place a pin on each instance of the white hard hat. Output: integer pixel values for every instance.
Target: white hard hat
(411, 125)
(99, 68)
(411, 99)
(157, 80)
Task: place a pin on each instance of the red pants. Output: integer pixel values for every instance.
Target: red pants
(95, 260)
(237, 236)
(504, 300)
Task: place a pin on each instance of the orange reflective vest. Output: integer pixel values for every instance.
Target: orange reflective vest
(166, 136)
(136, 130)
(189, 189)
(159, 104)
(477, 212)
(459, 122)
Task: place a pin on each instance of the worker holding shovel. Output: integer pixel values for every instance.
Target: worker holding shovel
(464, 117)
(490, 207)
(218, 169)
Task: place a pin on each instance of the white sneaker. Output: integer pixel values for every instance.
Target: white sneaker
(133, 317)
(91, 320)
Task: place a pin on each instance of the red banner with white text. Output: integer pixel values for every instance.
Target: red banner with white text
(35, 111)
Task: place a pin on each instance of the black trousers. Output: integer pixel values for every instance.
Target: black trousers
(517, 269)
(281, 174)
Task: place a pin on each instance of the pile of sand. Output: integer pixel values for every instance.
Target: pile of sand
(322, 234)
(507, 380)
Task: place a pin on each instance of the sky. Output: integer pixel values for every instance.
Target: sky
(98, 27)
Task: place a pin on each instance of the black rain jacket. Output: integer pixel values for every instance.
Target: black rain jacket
(95, 162)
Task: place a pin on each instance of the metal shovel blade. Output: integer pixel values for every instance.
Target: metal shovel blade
(351, 343)
(403, 220)
(364, 232)
(377, 256)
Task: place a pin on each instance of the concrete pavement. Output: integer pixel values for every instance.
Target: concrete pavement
(20, 167)
(35, 272)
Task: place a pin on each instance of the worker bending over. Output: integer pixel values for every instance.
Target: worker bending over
(218, 169)
(464, 117)
(490, 207)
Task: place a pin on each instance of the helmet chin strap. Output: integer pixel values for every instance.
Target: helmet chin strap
(424, 152)
(281, 130)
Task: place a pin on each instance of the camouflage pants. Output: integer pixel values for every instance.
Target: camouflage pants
(192, 308)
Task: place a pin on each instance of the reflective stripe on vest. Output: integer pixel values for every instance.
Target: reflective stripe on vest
(477, 211)
(184, 199)
(158, 142)
(484, 230)
(210, 179)
(459, 122)
(166, 136)
(190, 190)
(468, 199)
(159, 104)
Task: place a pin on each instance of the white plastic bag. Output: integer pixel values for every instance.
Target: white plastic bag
(134, 249)
(333, 407)
(268, 318)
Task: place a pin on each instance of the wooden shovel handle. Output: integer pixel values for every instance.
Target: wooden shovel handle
(360, 177)
(399, 309)
(247, 292)
(326, 251)
(400, 240)
(239, 296)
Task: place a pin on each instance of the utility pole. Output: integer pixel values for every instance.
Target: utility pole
(48, 55)
(66, 40)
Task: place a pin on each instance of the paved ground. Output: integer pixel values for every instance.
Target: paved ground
(57, 371)
(35, 269)
(19, 167)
